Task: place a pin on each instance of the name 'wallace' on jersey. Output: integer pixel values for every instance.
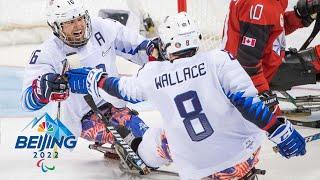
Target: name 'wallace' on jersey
(179, 76)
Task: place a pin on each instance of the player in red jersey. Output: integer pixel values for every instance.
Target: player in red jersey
(255, 32)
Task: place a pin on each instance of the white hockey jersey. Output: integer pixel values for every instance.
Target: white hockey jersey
(205, 131)
(109, 38)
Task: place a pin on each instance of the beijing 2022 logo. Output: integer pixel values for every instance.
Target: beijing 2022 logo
(51, 136)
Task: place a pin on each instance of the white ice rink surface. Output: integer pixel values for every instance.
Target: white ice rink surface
(83, 163)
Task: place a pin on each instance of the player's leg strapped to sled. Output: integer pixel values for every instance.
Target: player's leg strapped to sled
(158, 152)
(299, 68)
(154, 150)
(93, 128)
(244, 170)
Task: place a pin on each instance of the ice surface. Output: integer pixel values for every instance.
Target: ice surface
(83, 163)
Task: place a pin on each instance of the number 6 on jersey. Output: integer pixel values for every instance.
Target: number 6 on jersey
(191, 117)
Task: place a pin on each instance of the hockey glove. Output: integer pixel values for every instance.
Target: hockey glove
(307, 10)
(289, 142)
(92, 81)
(308, 55)
(269, 99)
(152, 49)
(50, 87)
(77, 80)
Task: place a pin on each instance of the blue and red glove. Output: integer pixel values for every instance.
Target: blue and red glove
(289, 142)
(153, 45)
(50, 87)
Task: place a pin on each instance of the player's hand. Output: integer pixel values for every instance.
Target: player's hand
(152, 49)
(307, 10)
(50, 87)
(310, 54)
(269, 99)
(92, 81)
(289, 142)
(77, 80)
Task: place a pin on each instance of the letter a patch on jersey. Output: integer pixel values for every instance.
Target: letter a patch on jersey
(247, 41)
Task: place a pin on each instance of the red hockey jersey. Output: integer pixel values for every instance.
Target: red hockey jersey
(254, 33)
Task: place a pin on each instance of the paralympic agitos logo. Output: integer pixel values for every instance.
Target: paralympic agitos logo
(51, 135)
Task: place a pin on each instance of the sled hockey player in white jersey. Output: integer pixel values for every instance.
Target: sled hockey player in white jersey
(214, 121)
(96, 42)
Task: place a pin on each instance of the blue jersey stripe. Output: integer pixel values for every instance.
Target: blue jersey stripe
(30, 102)
(257, 113)
(111, 86)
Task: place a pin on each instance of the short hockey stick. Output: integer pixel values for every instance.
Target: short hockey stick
(130, 158)
(313, 34)
(303, 100)
(307, 139)
(311, 124)
(301, 110)
(306, 88)
(64, 69)
(65, 66)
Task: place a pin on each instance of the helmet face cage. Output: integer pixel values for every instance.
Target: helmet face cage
(62, 11)
(75, 43)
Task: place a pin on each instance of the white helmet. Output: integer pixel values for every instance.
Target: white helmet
(60, 11)
(179, 36)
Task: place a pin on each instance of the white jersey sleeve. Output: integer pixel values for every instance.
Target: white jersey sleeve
(232, 76)
(240, 90)
(128, 88)
(128, 44)
(40, 63)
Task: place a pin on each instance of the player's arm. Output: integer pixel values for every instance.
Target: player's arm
(292, 22)
(305, 57)
(41, 83)
(303, 15)
(254, 32)
(243, 95)
(132, 46)
(310, 54)
(306, 10)
(98, 84)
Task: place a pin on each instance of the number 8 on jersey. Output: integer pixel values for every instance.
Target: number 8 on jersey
(193, 115)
